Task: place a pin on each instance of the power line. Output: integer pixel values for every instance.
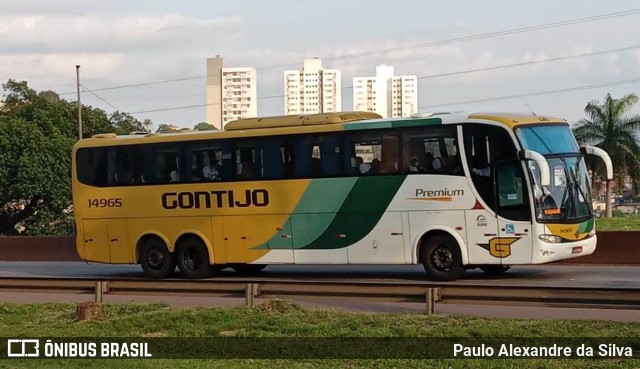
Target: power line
(547, 92)
(532, 62)
(503, 66)
(103, 100)
(406, 47)
(492, 34)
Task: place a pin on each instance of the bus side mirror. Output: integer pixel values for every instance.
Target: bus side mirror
(545, 177)
(592, 150)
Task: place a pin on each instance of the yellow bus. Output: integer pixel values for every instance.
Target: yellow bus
(451, 191)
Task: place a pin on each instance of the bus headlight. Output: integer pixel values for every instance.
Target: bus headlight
(550, 238)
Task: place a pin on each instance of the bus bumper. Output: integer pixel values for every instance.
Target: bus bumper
(550, 252)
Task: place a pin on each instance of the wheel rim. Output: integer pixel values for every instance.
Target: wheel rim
(155, 259)
(192, 259)
(442, 258)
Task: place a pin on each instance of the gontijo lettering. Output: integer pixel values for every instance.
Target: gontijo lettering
(219, 199)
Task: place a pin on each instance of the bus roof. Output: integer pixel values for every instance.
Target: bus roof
(317, 123)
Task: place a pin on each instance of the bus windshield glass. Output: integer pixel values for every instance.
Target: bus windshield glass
(568, 197)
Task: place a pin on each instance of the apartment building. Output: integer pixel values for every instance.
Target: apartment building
(312, 89)
(388, 95)
(231, 93)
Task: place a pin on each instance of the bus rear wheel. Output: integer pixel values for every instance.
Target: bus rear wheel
(441, 258)
(193, 259)
(248, 268)
(494, 269)
(156, 260)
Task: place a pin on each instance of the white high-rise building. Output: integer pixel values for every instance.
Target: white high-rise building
(312, 90)
(231, 93)
(388, 95)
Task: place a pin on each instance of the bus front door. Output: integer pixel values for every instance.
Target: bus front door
(514, 214)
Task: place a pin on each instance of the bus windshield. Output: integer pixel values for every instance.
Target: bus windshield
(568, 197)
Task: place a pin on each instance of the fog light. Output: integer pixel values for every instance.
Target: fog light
(576, 250)
(550, 238)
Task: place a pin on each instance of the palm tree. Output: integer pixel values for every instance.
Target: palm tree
(609, 127)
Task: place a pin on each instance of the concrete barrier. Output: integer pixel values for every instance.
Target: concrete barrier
(614, 247)
(620, 247)
(38, 249)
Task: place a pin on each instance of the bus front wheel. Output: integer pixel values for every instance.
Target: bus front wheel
(156, 260)
(441, 258)
(193, 259)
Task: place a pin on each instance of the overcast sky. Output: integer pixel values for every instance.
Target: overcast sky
(140, 41)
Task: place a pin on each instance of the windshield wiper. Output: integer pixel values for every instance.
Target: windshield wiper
(574, 191)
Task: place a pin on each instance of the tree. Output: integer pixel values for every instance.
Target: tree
(167, 128)
(37, 132)
(35, 185)
(204, 126)
(124, 123)
(609, 127)
(52, 116)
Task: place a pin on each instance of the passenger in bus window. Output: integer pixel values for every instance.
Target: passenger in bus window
(173, 176)
(437, 164)
(360, 166)
(454, 164)
(211, 173)
(212, 170)
(375, 167)
(421, 163)
(480, 168)
(246, 169)
(427, 167)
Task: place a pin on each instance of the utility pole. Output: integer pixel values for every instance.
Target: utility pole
(79, 104)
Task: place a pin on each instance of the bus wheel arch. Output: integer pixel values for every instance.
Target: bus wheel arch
(154, 256)
(193, 256)
(441, 255)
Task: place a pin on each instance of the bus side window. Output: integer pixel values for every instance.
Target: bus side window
(303, 153)
(166, 165)
(390, 158)
(272, 158)
(205, 162)
(121, 163)
(227, 164)
(92, 166)
(431, 149)
(330, 156)
(249, 161)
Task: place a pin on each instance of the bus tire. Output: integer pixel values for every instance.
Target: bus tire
(494, 269)
(156, 260)
(441, 258)
(193, 259)
(248, 268)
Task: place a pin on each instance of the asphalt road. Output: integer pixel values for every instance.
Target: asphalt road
(556, 275)
(548, 275)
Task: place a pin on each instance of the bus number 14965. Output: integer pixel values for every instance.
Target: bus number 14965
(105, 203)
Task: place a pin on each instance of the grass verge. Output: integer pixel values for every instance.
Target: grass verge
(283, 319)
(626, 223)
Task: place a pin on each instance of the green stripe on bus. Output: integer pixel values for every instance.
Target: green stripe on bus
(377, 124)
(360, 212)
(325, 195)
(586, 227)
(314, 212)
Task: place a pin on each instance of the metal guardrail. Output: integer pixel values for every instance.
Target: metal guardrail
(395, 291)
